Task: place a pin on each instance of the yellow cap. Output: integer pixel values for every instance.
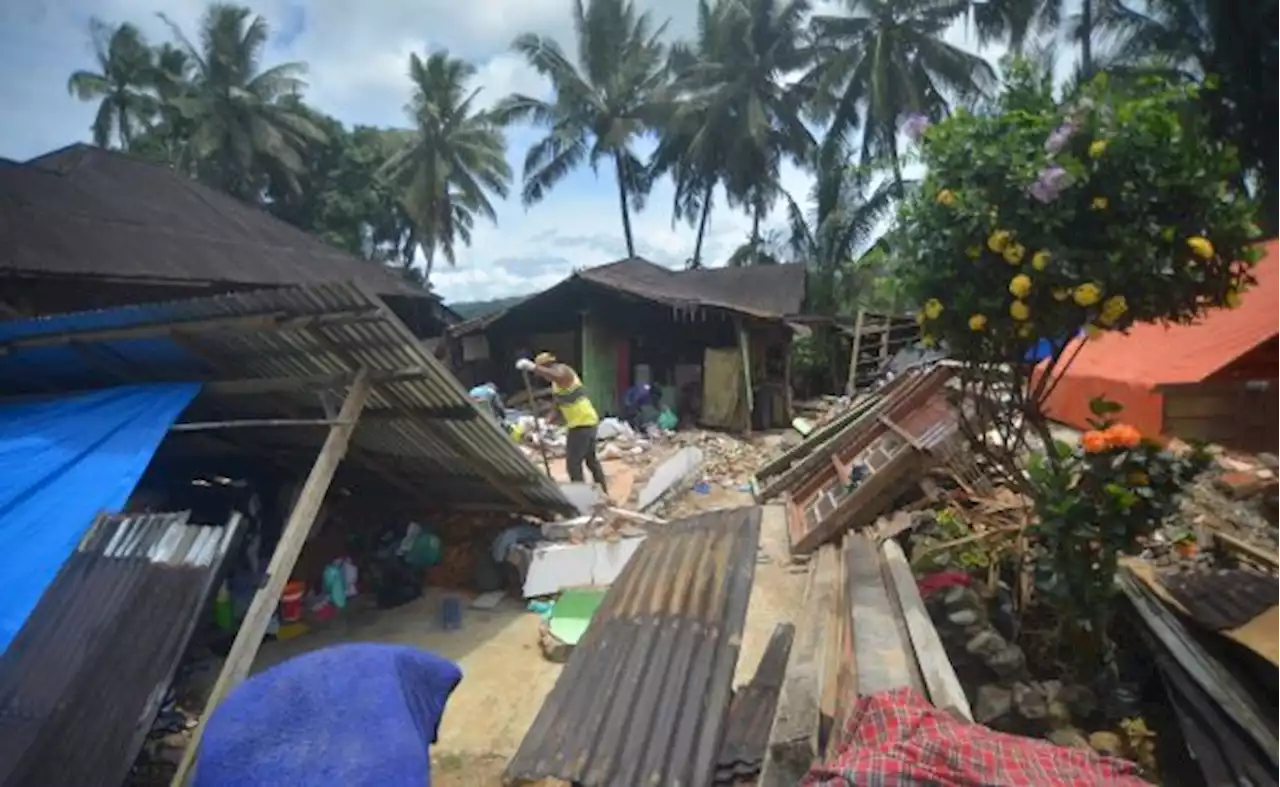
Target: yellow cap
(544, 359)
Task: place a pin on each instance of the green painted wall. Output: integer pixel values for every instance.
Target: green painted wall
(599, 364)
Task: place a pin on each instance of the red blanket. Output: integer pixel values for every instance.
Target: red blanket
(898, 739)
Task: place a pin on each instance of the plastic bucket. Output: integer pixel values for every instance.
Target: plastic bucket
(291, 601)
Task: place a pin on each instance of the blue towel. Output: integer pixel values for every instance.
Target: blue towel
(344, 716)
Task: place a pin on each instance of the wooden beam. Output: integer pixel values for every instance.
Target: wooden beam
(797, 721)
(944, 688)
(884, 660)
(264, 385)
(851, 385)
(270, 321)
(249, 638)
(254, 423)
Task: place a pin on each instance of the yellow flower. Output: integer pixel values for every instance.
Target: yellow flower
(928, 341)
(1087, 294)
(1166, 234)
(1041, 259)
(999, 240)
(1097, 148)
(1232, 301)
(1099, 203)
(1061, 293)
(1020, 285)
(1201, 247)
(977, 322)
(1014, 252)
(1019, 311)
(1139, 478)
(1092, 331)
(1115, 307)
(946, 197)
(1024, 330)
(920, 318)
(973, 252)
(932, 308)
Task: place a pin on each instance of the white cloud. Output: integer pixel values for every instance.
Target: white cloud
(358, 57)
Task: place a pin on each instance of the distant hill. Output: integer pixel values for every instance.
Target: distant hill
(470, 309)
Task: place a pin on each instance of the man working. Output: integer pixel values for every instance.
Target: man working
(579, 415)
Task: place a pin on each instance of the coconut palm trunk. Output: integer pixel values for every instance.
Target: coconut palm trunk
(620, 170)
(702, 225)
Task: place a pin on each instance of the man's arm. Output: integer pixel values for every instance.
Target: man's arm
(557, 373)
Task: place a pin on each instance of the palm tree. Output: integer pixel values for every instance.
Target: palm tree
(243, 134)
(738, 117)
(886, 60)
(445, 169)
(119, 85)
(1231, 43)
(601, 105)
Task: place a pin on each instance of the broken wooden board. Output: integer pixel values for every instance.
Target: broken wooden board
(793, 739)
(939, 676)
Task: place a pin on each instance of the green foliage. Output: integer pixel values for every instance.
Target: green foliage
(1095, 502)
(1039, 220)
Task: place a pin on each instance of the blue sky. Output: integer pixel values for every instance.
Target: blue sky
(358, 56)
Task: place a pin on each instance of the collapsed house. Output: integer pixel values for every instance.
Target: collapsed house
(83, 227)
(717, 340)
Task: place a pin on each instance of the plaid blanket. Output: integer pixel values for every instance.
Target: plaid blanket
(898, 739)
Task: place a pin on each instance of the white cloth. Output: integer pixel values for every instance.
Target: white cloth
(525, 365)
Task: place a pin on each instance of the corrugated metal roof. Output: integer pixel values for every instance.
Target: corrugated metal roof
(82, 681)
(419, 426)
(86, 211)
(763, 291)
(751, 713)
(645, 695)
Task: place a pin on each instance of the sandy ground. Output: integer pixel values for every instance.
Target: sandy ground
(506, 677)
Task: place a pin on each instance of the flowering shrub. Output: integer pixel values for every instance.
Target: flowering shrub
(1041, 219)
(1098, 501)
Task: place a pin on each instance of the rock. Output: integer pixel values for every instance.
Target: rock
(964, 617)
(993, 702)
(1059, 715)
(1239, 484)
(1080, 700)
(1009, 663)
(1069, 737)
(1030, 702)
(1051, 689)
(1234, 465)
(986, 644)
(1106, 742)
(955, 596)
(1269, 461)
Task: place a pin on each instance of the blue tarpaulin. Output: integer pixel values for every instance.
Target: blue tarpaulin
(350, 715)
(62, 462)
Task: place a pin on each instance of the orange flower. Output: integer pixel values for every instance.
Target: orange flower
(1123, 436)
(1095, 442)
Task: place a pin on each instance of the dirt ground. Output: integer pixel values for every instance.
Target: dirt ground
(506, 677)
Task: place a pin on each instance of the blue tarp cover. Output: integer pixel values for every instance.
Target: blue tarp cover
(62, 462)
(358, 715)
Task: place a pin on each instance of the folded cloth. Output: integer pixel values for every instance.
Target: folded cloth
(348, 715)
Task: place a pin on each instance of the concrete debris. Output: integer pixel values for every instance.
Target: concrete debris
(994, 702)
(1030, 701)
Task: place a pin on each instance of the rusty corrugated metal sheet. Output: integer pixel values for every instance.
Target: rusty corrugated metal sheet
(1222, 599)
(751, 713)
(645, 695)
(419, 423)
(81, 682)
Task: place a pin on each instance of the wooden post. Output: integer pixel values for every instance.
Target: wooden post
(236, 667)
(851, 385)
(744, 343)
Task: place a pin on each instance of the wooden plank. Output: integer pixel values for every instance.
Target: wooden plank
(249, 638)
(884, 659)
(935, 668)
(831, 695)
(797, 721)
(250, 423)
(266, 385)
(851, 384)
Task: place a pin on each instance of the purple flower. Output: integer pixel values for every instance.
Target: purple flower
(1059, 138)
(1050, 184)
(915, 126)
